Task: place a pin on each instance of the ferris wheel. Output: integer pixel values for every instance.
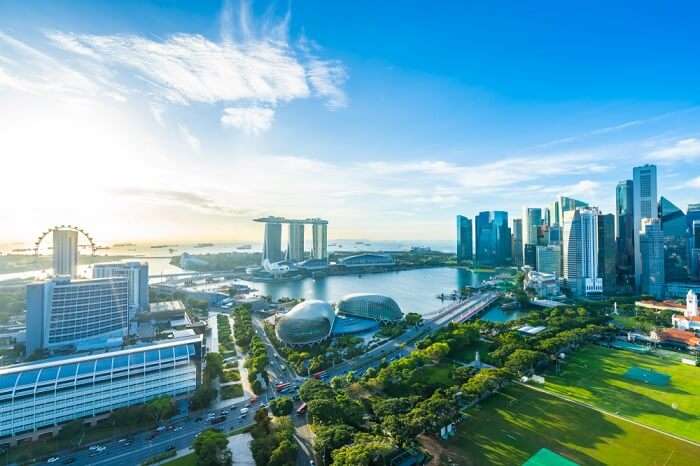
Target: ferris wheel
(37, 243)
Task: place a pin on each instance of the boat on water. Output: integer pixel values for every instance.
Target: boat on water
(203, 245)
(245, 247)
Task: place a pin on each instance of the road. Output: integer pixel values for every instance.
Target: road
(180, 435)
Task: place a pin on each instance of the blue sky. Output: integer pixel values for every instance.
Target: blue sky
(144, 120)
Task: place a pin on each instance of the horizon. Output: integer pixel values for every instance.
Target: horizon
(185, 122)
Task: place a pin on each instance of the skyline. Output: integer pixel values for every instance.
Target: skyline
(186, 122)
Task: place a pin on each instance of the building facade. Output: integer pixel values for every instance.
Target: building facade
(493, 239)
(65, 252)
(676, 241)
(607, 252)
(295, 247)
(319, 233)
(624, 232)
(370, 306)
(272, 243)
(464, 239)
(517, 245)
(51, 392)
(651, 242)
(63, 312)
(580, 251)
(532, 219)
(644, 206)
(549, 260)
(307, 323)
(136, 274)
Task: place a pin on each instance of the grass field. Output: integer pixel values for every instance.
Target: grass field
(510, 427)
(187, 460)
(596, 375)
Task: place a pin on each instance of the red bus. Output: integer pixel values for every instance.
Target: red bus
(281, 386)
(318, 375)
(301, 409)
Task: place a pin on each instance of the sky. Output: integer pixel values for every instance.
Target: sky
(184, 120)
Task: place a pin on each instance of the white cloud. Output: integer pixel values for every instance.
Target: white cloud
(251, 120)
(189, 138)
(685, 149)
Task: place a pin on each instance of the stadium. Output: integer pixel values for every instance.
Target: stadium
(314, 321)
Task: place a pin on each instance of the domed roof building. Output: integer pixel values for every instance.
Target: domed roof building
(370, 306)
(306, 323)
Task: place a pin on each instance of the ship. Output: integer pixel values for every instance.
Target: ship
(203, 245)
(245, 246)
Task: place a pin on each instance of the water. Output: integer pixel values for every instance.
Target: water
(498, 315)
(414, 290)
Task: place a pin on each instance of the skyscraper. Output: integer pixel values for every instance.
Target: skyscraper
(547, 216)
(695, 250)
(493, 241)
(566, 204)
(580, 251)
(272, 242)
(320, 240)
(676, 238)
(607, 252)
(624, 231)
(644, 205)
(532, 219)
(530, 255)
(651, 242)
(295, 247)
(464, 239)
(65, 252)
(517, 249)
(556, 220)
(63, 312)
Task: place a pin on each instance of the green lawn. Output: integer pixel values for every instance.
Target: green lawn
(231, 391)
(510, 427)
(595, 375)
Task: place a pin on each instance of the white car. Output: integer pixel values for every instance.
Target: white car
(53, 459)
(244, 411)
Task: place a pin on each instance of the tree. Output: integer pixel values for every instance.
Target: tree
(161, 408)
(72, 432)
(281, 406)
(211, 449)
(332, 437)
(364, 451)
(285, 454)
(202, 397)
(436, 351)
(523, 360)
(413, 318)
(324, 411)
(214, 366)
(314, 389)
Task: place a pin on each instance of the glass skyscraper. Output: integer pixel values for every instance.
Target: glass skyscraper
(624, 232)
(644, 201)
(676, 239)
(464, 239)
(493, 240)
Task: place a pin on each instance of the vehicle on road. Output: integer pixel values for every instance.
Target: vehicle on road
(244, 410)
(217, 420)
(301, 409)
(68, 460)
(280, 387)
(53, 459)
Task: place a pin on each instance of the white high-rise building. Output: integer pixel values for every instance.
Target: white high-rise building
(580, 251)
(65, 252)
(644, 205)
(320, 241)
(532, 218)
(136, 274)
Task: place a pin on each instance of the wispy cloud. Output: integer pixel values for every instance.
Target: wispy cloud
(191, 200)
(684, 149)
(251, 120)
(190, 139)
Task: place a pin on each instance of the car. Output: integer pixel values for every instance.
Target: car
(53, 459)
(211, 414)
(242, 416)
(245, 410)
(161, 428)
(122, 440)
(225, 412)
(100, 449)
(177, 429)
(69, 460)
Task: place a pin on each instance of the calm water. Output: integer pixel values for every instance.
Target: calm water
(413, 290)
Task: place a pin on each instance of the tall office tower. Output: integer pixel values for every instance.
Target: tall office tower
(532, 219)
(295, 248)
(65, 252)
(676, 238)
(549, 259)
(547, 216)
(651, 245)
(493, 241)
(566, 204)
(272, 243)
(65, 313)
(530, 255)
(542, 235)
(624, 232)
(464, 239)
(554, 235)
(517, 247)
(556, 220)
(644, 205)
(580, 251)
(136, 274)
(320, 239)
(607, 252)
(693, 213)
(695, 250)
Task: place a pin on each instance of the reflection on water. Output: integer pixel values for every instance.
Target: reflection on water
(414, 290)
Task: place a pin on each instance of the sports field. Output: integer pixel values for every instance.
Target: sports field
(510, 427)
(596, 375)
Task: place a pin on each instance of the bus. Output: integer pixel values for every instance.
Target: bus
(282, 386)
(319, 375)
(301, 409)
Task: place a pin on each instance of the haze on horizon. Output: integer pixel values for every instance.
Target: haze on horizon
(143, 122)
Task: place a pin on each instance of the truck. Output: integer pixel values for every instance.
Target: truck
(282, 386)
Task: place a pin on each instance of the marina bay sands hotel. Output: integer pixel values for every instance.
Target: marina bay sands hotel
(272, 244)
